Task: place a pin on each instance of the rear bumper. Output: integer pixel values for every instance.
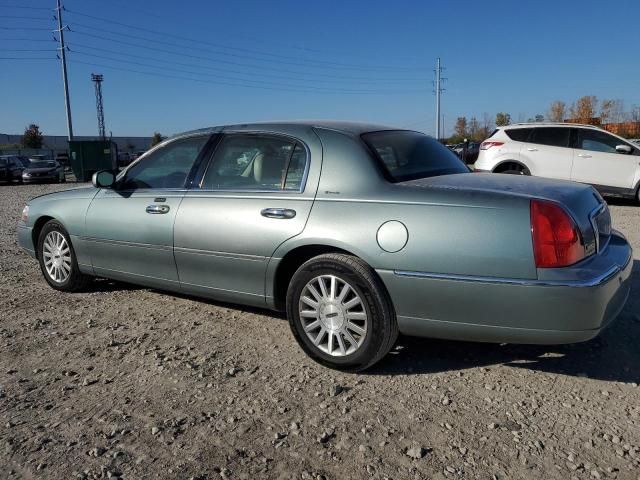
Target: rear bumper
(573, 304)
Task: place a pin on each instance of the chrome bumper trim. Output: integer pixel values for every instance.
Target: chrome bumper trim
(592, 282)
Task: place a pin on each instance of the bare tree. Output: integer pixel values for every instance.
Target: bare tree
(502, 119)
(474, 127)
(461, 127)
(557, 111)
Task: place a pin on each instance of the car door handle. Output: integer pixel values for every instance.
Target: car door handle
(532, 149)
(278, 213)
(584, 155)
(158, 209)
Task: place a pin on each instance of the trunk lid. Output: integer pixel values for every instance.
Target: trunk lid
(582, 202)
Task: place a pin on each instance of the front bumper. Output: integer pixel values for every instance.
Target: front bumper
(25, 239)
(569, 305)
(48, 178)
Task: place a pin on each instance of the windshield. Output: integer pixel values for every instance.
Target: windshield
(42, 164)
(410, 155)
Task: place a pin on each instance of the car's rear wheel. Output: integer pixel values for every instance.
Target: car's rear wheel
(514, 169)
(340, 313)
(58, 259)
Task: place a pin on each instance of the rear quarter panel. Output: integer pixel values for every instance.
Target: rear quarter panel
(449, 230)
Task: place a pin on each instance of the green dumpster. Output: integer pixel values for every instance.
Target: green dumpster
(89, 156)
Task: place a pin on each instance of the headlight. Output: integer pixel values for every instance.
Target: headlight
(25, 214)
(26, 174)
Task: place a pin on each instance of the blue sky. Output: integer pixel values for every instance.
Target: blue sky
(216, 62)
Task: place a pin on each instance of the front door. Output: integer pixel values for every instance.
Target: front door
(255, 193)
(597, 161)
(130, 228)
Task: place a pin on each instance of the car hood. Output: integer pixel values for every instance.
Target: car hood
(80, 192)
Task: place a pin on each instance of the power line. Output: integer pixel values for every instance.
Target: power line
(28, 7)
(28, 39)
(19, 17)
(226, 70)
(298, 60)
(27, 58)
(155, 74)
(200, 57)
(25, 28)
(246, 82)
(28, 50)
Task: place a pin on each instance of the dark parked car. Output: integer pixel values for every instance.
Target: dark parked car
(43, 171)
(11, 168)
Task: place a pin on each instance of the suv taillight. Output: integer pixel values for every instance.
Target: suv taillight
(490, 143)
(556, 239)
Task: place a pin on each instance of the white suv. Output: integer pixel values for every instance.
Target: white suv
(582, 153)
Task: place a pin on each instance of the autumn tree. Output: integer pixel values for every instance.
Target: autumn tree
(461, 127)
(584, 110)
(157, 138)
(557, 111)
(502, 119)
(32, 137)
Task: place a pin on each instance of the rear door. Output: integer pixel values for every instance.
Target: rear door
(257, 191)
(547, 152)
(597, 162)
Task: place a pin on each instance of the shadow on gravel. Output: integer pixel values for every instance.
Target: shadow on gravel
(104, 285)
(613, 356)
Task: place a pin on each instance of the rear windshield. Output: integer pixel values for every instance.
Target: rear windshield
(411, 155)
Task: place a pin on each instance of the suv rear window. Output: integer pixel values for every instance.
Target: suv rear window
(518, 134)
(410, 155)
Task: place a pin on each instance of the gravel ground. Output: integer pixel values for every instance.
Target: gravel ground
(134, 383)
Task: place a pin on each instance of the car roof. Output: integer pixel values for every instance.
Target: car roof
(549, 124)
(349, 128)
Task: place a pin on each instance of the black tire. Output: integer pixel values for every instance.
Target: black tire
(76, 281)
(515, 170)
(382, 327)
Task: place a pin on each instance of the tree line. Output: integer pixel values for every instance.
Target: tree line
(587, 110)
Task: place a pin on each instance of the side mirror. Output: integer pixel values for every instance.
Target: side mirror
(103, 179)
(623, 149)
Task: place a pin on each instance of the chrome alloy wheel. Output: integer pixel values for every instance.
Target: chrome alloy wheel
(57, 256)
(333, 315)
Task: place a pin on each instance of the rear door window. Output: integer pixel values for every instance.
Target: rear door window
(256, 162)
(551, 136)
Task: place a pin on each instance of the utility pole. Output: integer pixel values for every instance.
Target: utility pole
(63, 59)
(97, 80)
(438, 91)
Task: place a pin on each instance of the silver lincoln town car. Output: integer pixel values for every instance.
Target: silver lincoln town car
(358, 231)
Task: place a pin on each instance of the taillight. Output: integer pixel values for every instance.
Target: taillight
(556, 239)
(490, 143)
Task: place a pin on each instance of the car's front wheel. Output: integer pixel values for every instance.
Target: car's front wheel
(340, 313)
(58, 259)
